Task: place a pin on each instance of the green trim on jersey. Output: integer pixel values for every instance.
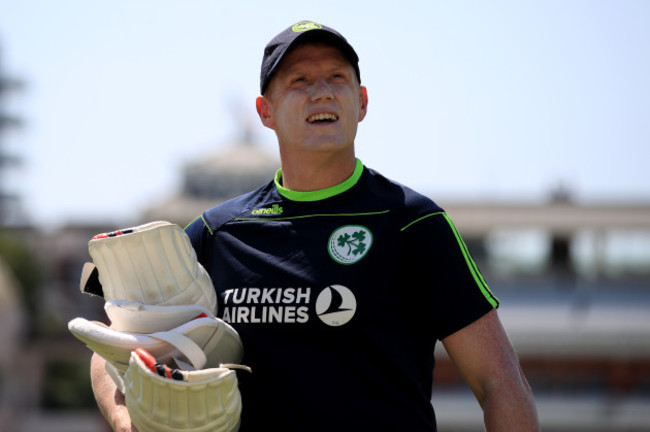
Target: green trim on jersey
(472, 266)
(485, 289)
(418, 220)
(207, 225)
(195, 219)
(319, 194)
(280, 218)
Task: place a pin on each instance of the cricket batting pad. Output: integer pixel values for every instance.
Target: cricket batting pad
(153, 264)
(198, 343)
(202, 401)
(135, 317)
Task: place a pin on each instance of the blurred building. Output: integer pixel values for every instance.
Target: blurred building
(574, 284)
(49, 376)
(573, 279)
(239, 168)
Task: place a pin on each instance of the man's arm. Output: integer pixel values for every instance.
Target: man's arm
(487, 361)
(110, 400)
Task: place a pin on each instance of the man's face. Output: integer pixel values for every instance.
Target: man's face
(314, 101)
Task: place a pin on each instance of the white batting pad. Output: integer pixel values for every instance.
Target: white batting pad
(200, 342)
(135, 317)
(208, 401)
(153, 264)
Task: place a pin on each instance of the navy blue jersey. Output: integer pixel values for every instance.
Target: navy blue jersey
(339, 297)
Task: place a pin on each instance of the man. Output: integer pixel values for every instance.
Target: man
(340, 281)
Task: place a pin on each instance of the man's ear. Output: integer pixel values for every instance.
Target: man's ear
(363, 102)
(264, 110)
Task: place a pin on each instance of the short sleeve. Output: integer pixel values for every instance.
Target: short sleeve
(457, 293)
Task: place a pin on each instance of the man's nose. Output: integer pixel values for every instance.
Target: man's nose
(321, 89)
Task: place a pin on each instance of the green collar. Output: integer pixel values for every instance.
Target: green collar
(319, 194)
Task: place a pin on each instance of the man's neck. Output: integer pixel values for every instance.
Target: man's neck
(316, 171)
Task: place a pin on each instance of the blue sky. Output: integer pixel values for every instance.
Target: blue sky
(498, 100)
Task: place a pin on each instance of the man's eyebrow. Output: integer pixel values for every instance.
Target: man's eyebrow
(338, 67)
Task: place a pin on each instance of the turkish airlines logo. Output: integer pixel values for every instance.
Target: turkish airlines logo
(336, 305)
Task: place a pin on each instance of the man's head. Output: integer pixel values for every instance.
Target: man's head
(302, 32)
(312, 97)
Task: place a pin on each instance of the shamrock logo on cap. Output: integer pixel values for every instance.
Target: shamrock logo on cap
(304, 26)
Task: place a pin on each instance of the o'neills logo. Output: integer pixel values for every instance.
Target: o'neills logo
(274, 210)
(334, 305)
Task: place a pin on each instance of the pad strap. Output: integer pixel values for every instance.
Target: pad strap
(185, 345)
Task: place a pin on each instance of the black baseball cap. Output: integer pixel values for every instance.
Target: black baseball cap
(299, 32)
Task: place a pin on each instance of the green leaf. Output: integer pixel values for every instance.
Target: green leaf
(343, 239)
